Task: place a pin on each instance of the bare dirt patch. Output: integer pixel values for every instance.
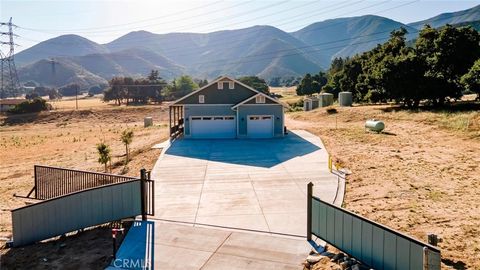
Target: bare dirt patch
(90, 249)
(422, 176)
(68, 139)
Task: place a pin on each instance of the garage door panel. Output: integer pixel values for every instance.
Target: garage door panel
(260, 126)
(213, 127)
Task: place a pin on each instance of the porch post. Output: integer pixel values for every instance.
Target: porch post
(170, 120)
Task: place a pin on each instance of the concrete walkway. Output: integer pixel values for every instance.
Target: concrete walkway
(248, 184)
(182, 247)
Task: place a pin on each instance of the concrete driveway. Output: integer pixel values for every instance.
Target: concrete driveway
(246, 184)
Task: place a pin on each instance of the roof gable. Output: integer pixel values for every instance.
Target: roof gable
(213, 95)
(268, 100)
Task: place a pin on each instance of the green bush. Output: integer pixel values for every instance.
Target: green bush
(31, 106)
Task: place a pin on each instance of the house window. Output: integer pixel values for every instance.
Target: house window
(220, 85)
(260, 99)
(231, 85)
(201, 99)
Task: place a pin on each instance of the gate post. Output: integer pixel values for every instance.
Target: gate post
(36, 181)
(309, 211)
(143, 177)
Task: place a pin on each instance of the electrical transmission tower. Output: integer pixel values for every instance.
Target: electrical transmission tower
(9, 83)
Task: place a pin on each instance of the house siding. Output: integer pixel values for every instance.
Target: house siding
(213, 95)
(275, 110)
(205, 110)
(267, 101)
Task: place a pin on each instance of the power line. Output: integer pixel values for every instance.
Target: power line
(9, 83)
(248, 32)
(129, 23)
(116, 30)
(314, 45)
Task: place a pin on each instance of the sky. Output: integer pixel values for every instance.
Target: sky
(105, 20)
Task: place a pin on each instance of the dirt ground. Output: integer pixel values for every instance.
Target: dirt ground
(421, 176)
(68, 138)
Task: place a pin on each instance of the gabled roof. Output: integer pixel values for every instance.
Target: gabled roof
(223, 78)
(259, 94)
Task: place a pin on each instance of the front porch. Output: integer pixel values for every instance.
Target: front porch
(176, 120)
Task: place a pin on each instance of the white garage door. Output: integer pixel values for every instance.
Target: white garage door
(212, 127)
(260, 126)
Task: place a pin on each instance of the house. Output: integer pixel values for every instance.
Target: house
(7, 104)
(227, 108)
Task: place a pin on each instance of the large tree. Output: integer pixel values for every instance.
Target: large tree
(471, 80)
(256, 83)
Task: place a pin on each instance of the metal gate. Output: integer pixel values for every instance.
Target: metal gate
(372, 243)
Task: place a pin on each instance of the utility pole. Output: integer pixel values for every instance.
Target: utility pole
(76, 97)
(9, 83)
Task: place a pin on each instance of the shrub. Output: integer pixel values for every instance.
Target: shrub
(31, 106)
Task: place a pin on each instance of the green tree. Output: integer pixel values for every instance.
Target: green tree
(471, 80)
(70, 90)
(448, 54)
(127, 138)
(104, 157)
(256, 83)
(186, 84)
(31, 106)
(154, 75)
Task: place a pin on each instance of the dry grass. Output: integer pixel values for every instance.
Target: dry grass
(421, 176)
(68, 139)
(84, 103)
(288, 94)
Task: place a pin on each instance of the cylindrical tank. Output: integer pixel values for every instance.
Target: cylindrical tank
(307, 104)
(325, 99)
(375, 125)
(345, 99)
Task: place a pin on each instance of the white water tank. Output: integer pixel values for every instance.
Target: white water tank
(345, 99)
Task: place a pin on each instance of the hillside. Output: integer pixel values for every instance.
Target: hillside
(57, 73)
(260, 50)
(208, 54)
(65, 45)
(348, 36)
(468, 15)
(130, 62)
(474, 24)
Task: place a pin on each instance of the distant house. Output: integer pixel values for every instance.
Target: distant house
(227, 108)
(7, 104)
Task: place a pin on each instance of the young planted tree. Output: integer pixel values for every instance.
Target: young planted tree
(127, 138)
(103, 154)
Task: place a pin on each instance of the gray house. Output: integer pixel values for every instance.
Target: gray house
(227, 108)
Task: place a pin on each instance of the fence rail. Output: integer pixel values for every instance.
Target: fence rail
(74, 211)
(373, 244)
(74, 199)
(51, 182)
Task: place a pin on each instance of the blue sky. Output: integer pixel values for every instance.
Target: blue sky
(103, 21)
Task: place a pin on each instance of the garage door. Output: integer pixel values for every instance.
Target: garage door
(260, 126)
(212, 127)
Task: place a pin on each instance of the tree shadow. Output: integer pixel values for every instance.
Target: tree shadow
(388, 133)
(459, 265)
(19, 119)
(88, 249)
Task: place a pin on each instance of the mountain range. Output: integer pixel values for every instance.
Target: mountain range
(260, 50)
